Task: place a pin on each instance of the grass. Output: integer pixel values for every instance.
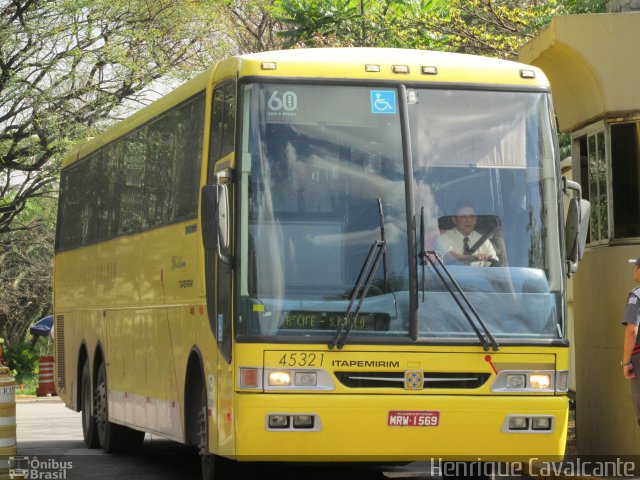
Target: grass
(27, 385)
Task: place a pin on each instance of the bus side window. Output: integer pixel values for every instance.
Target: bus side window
(222, 137)
(222, 124)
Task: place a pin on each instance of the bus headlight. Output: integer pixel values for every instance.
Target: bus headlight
(279, 379)
(516, 381)
(291, 379)
(291, 422)
(303, 421)
(524, 381)
(306, 379)
(518, 423)
(540, 380)
(541, 423)
(278, 421)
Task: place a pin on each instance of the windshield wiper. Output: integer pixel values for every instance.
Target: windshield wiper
(486, 338)
(384, 254)
(422, 255)
(377, 252)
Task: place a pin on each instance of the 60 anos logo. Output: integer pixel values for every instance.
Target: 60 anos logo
(283, 104)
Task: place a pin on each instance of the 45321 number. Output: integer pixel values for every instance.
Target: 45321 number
(302, 359)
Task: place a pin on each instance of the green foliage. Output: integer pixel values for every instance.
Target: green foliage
(22, 360)
(584, 6)
(564, 141)
(311, 22)
(27, 385)
(26, 267)
(482, 27)
(321, 23)
(485, 27)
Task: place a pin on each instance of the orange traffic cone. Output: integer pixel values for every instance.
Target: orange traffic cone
(46, 385)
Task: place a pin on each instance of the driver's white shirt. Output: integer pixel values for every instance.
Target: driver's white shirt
(453, 241)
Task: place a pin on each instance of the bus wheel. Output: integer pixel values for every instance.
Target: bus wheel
(113, 438)
(215, 466)
(211, 464)
(89, 428)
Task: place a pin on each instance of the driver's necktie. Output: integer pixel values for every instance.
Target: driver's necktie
(465, 245)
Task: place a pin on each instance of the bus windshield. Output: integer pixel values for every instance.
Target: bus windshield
(484, 164)
(318, 161)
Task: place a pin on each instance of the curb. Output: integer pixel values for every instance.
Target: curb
(34, 399)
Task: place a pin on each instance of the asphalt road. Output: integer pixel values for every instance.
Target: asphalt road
(50, 435)
(51, 446)
(50, 440)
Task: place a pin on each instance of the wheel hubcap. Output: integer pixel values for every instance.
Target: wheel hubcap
(202, 432)
(101, 411)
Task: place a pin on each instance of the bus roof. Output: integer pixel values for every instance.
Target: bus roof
(351, 63)
(370, 64)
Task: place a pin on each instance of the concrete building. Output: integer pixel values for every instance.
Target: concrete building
(593, 64)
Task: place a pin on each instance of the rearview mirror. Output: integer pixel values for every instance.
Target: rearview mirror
(216, 224)
(223, 222)
(577, 226)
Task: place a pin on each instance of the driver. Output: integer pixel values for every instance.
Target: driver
(462, 243)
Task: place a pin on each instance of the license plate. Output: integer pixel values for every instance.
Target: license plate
(413, 418)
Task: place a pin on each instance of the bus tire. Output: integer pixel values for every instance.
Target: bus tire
(113, 438)
(215, 467)
(89, 428)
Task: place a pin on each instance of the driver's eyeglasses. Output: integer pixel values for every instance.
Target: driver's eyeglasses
(466, 217)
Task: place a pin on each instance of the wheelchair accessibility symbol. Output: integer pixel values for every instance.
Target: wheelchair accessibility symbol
(383, 101)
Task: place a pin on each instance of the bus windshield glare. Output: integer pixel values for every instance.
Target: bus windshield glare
(315, 159)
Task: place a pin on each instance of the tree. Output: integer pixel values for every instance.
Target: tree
(26, 264)
(251, 25)
(489, 27)
(484, 27)
(318, 23)
(314, 23)
(66, 66)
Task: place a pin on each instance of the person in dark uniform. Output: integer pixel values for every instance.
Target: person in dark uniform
(630, 359)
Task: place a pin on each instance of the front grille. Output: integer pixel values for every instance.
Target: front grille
(436, 380)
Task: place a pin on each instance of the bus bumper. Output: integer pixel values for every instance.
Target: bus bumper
(378, 428)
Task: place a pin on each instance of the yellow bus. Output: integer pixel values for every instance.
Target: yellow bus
(253, 264)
